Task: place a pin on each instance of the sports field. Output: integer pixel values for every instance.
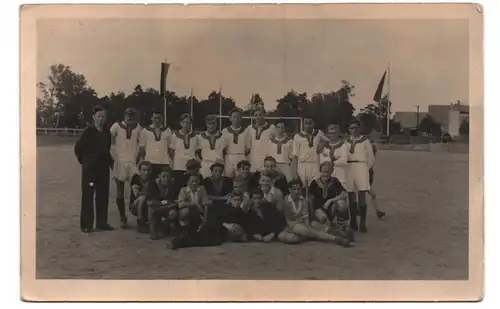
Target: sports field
(424, 236)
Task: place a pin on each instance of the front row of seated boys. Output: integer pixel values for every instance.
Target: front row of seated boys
(199, 212)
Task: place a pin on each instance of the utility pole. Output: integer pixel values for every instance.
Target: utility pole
(418, 116)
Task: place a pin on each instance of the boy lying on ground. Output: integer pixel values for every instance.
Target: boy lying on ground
(299, 226)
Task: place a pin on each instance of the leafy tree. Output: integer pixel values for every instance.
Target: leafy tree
(430, 126)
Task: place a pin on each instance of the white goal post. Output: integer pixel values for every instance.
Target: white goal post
(273, 120)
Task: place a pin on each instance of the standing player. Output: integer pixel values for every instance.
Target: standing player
(154, 143)
(183, 144)
(236, 143)
(210, 143)
(92, 152)
(335, 151)
(360, 160)
(125, 137)
(280, 148)
(259, 135)
(305, 158)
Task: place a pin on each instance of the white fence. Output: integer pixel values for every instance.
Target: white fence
(59, 131)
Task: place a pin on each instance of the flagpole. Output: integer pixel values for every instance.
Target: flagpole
(388, 97)
(220, 107)
(191, 106)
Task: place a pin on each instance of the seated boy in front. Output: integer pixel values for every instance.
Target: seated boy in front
(233, 219)
(299, 226)
(197, 227)
(161, 204)
(263, 220)
(329, 200)
(139, 187)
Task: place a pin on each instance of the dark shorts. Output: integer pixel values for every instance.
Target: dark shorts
(372, 176)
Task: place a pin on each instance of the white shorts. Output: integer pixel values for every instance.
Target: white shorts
(123, 171)
(340, 172)
(257, 162)
(205, 168)
(286, 169)
(358, 177)
(179, 163)
(307, 171)
(230, 162)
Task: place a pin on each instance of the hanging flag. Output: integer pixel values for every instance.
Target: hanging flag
(377, 97)
(163, 79)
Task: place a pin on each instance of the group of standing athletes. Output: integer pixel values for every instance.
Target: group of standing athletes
(334, 172)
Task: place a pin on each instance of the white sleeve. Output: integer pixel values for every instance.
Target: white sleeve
(370, 158)
(142, 138)
(172, 141)
(248, 138)
(295, 147)
(114, 129)
(344, 149)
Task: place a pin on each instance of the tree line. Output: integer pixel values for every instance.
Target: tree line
(67, 100)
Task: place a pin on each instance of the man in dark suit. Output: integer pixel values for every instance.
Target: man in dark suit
(92, 152)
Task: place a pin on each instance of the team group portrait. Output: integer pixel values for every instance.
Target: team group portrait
(252, 149)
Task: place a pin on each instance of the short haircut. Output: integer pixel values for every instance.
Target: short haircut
(243, 163)
(325, 164)
(98, 109)
(295, 181)
(216, 164)
(197, 175)
(186, 116)
(305, 117)
(236, 195)
(210, 119)
(269, 158)
(235, 110)
(143, 163)
(355, 121)
(333, 125)
(257, 191)
(155, 111)
(267, 174)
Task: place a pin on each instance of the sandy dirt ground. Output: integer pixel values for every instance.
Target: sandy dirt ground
(424, 237)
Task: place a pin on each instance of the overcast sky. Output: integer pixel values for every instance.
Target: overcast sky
(429, 58)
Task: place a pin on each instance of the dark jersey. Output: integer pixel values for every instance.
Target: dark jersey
(92, 149)
(321, 192)
(155, 193)
(223, 188)
(267, 220)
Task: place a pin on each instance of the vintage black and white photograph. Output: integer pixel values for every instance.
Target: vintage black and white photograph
(281, 147)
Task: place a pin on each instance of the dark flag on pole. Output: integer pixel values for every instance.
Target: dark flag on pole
(163, 78)
(378, 93)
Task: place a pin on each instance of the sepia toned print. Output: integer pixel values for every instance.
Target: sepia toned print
(252, 146)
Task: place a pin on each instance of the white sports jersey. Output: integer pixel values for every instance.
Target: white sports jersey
(126, 141)
(280, 149)
(235, 141)
(339, 149)
(259, 140)
(156, 144)
(360, 150)
(185, 147)
(211, 146)
(304, 146)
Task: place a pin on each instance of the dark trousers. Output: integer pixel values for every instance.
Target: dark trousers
(94, 181)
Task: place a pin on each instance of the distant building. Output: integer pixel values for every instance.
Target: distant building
(409, 120)
(450, 117)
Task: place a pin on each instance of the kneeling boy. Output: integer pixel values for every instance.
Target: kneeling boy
(138, 193)
(161, 203)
